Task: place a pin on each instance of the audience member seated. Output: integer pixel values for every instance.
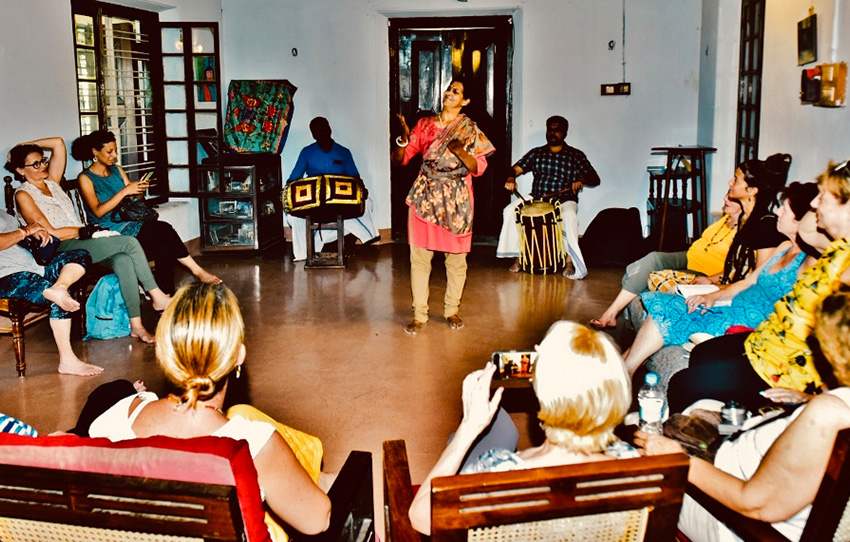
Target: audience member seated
(200, 347)
(776, 358)
(578, 415)
(41, 201)
(22, 278)
(703, 263)
(753, 472)
(672, 318)
(104, 187)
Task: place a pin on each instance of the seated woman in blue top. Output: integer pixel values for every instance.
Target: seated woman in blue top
(672, 318)
(104, 185)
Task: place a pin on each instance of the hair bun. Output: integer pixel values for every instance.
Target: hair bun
(776, 168)
(81, 148)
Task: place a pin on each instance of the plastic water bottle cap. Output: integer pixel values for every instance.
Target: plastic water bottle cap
(651, 378)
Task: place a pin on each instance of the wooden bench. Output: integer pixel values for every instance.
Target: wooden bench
(72, 488)
(628, 499)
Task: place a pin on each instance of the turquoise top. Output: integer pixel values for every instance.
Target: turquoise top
(104, 189)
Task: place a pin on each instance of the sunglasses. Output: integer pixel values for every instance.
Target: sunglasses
(38, 164)
(842, 169)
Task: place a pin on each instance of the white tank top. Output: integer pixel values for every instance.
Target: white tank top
(56, 208)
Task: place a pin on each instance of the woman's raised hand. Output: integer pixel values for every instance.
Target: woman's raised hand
(405, 129)
(478, 407)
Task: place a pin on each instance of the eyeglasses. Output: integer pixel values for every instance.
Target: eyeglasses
(38, 164)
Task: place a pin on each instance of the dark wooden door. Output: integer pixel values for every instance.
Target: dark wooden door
(425, 54)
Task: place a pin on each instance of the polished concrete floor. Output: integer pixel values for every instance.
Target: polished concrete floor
(326, 351)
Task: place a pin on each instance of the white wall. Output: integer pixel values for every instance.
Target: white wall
(38, 94)
(812, 135)
(561, 57)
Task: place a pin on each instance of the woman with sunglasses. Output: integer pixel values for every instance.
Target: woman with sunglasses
(776, 359)
(42, 202)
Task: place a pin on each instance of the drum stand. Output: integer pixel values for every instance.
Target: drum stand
(327, 260)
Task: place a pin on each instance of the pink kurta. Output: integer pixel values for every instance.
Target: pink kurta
(420, 232)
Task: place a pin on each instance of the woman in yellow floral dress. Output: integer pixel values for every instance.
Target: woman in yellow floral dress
(776, 359)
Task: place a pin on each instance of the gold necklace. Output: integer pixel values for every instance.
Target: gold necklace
(714, 241)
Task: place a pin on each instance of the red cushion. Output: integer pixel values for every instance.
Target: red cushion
(213, 460)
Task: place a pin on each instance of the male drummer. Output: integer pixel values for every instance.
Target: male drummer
(560, 172)
(326, 157)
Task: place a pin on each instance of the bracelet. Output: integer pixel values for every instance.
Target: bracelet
(400, 144)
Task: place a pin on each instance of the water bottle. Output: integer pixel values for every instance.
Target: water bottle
(652, 402)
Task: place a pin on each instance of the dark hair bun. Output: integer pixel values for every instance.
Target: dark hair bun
(81, 148)
(776, 168)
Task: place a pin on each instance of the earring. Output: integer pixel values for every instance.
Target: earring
(238, 371)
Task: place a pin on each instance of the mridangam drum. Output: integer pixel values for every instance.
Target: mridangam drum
(541, 237)
(324, 197)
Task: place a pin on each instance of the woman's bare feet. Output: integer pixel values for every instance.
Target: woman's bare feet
(61, 296)
(77, 367)
(206, 277)
(602, 323)
(139, 332)
(515, 267)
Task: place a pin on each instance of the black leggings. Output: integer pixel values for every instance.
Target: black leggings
(162, 245)
(718, 369)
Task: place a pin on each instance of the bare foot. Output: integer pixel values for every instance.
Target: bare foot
(206, 277)
(78, 368)
(602, 323)
(142, 334)
(455, 321)
(139, 385)
(61, 297)
(514, 268)
(164, 301)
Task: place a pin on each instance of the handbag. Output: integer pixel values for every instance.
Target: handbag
(43, 255)
(134, 210)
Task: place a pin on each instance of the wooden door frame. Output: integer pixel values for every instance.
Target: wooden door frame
(499, 23)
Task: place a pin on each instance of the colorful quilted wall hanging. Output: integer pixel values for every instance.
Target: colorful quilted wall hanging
(258, 115)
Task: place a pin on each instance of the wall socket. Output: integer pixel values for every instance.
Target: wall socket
(616, 89)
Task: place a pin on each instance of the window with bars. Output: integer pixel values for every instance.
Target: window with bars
(119, 82)
(749, 80)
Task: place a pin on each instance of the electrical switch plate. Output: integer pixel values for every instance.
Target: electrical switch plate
(616, 89)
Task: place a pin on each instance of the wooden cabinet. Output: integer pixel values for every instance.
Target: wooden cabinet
(240, 203)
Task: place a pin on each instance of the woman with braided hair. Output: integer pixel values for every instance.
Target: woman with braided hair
(200, 347)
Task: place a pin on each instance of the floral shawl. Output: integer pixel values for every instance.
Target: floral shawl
(439, 193)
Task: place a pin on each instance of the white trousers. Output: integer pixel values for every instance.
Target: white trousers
(363, 228)
(509, 236)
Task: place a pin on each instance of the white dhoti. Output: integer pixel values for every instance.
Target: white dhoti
(362, 227)
(509, 236)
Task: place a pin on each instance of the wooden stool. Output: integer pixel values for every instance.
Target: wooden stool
(328, 260)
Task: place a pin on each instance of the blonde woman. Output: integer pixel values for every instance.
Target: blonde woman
(200, 347)
(578, 415)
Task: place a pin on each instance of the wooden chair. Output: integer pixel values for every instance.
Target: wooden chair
(18, 314)
(829, 518)
(72, 488)
(629, 499)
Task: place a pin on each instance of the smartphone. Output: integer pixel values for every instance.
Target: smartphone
(514, 364)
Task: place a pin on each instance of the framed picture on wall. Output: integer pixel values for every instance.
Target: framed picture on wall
(807, 40)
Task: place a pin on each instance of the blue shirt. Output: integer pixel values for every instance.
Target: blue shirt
(313, 160)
